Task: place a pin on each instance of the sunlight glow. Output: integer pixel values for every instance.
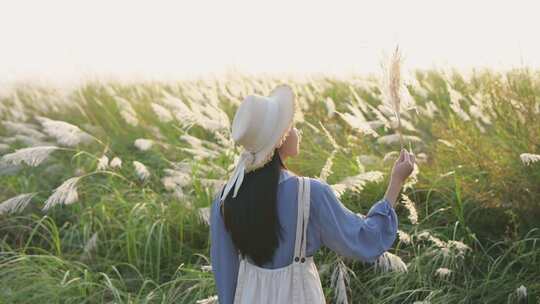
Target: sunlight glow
(66, 40)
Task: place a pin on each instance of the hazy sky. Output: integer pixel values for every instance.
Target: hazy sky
(67, 40)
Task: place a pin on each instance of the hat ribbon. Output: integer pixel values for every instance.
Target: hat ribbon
(246, 158)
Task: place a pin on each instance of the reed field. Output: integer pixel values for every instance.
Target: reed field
(105, 187)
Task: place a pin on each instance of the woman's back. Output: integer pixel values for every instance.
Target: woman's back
(330, 224)
(287, 210)
(298, 282)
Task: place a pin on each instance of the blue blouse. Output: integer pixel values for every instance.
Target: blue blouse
(330, 224)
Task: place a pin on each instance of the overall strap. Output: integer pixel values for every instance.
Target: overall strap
(306, 204)
(299, 218)
(302, 219)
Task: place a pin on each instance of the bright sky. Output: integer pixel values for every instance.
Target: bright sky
(70, 39)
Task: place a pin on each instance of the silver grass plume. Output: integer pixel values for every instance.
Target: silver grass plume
(455, 97)
(209, 300)
(528, 158)
(459, 246)
(390, 157)
(206, 268)
(23, 128)
(426, 235)
(33, 156)
(357, 182)
(443, 272)
(116, 162)
(393, 138)
(176, 179)
(26, 140)
(389, 262)
(521, 292)
(329, 136)
(330, 106)
(143, 144)
(180, 110)
(65, 133)
(327, 168)
(339, 280)
(103, 163)
(126, 111)
(16, 203)
(404, 237)
(90, 247)
(65, 194)
(141, 170)
(393, 87)
(357, 121)
(409, 205)
(204, 215)
(162, 113)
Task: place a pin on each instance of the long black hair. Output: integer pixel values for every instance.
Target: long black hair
(251, 216)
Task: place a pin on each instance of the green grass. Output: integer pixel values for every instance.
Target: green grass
(151, 243)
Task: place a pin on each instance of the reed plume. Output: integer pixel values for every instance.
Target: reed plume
(16, 203)
(393, 88)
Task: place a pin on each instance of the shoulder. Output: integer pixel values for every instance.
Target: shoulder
(318, 186)
(318, 189)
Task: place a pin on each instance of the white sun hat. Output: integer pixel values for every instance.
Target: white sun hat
(260, 125)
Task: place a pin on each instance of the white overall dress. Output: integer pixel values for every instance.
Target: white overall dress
(296, 283)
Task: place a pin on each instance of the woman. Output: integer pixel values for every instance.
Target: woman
(267, 223)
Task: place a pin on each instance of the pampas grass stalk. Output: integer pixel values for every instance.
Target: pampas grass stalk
(404, 237)
(16, 203)
(409, 205)
(394, 88)
(357, 182)
(329, 136)
(206, 268)
(126, 111)
(443, 272)
(162, 113)
(116, 162)
(389, 262)
(65, 194)
(65, 133)
(143, 144)
(209, 300)
(339, 280)
(521, 292)
(103, 163)
(327, 168)
(141, 170)
(528, 158)
(24, 129)
(204, 215)
(33, 156)
(89, 247)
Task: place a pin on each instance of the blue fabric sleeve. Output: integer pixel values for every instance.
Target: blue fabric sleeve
(223, 256)
(348, 234)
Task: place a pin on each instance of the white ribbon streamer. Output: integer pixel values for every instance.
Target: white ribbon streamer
(246, 159)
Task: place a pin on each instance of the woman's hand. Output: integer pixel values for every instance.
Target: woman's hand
(402, 169)
(403, 166)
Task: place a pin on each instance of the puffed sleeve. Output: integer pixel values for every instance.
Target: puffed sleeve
(223, 256)
(346, 233)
